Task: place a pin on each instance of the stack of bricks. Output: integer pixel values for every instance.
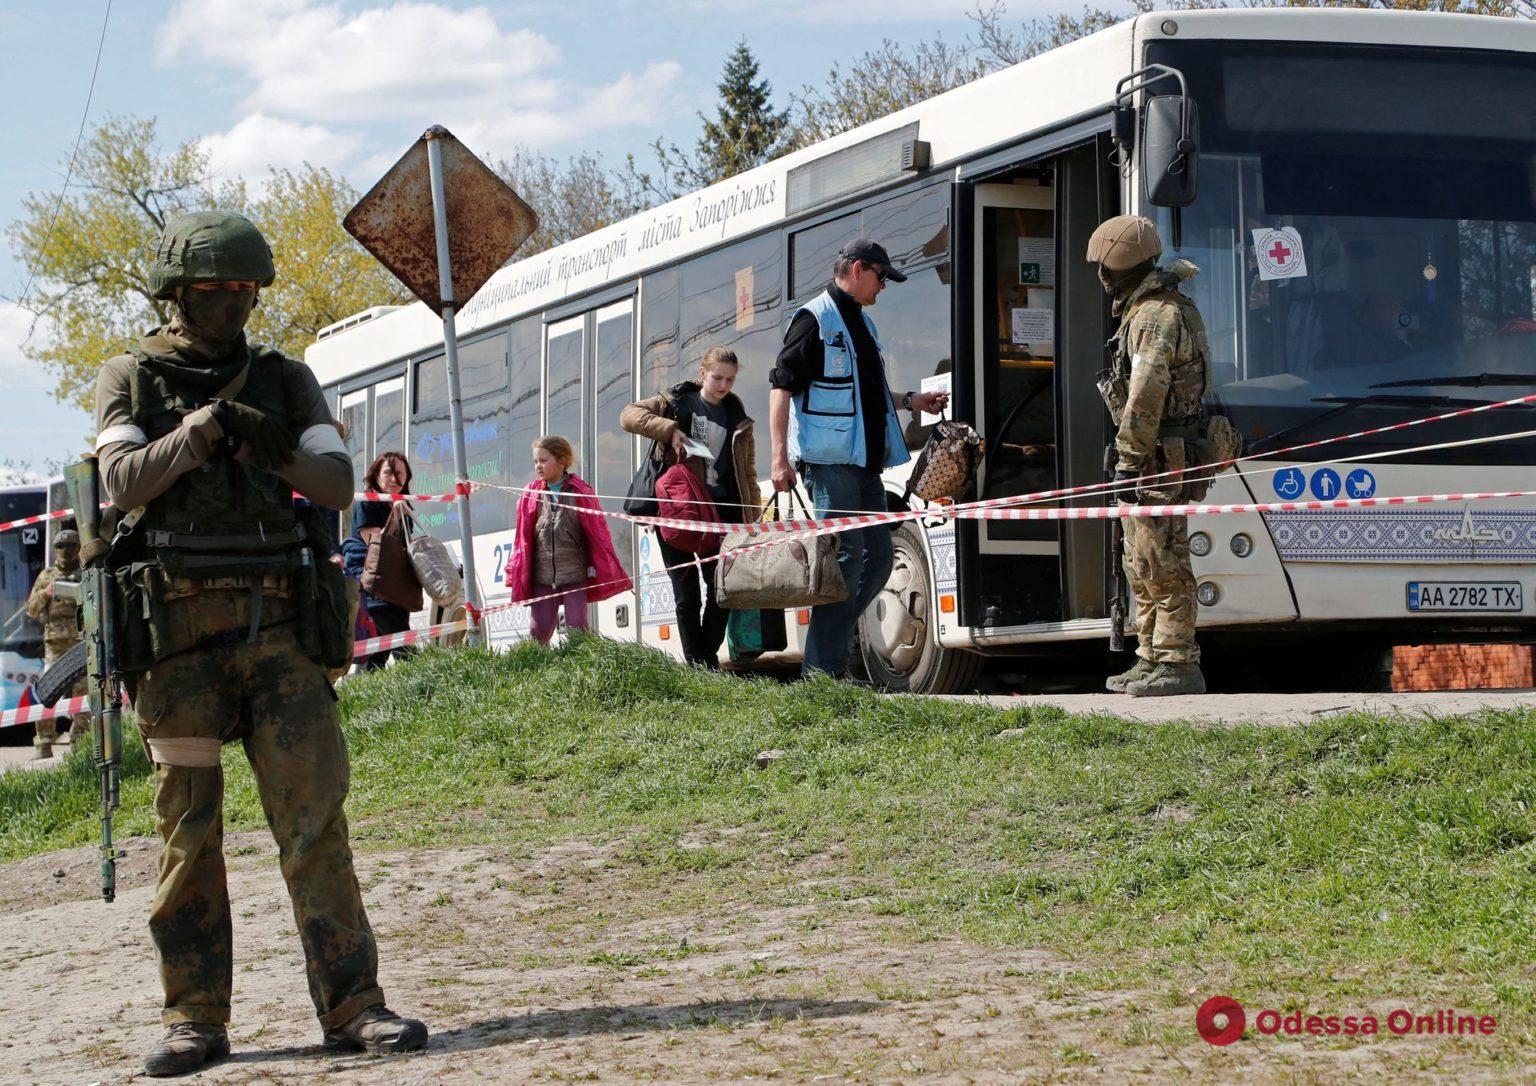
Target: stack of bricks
(1463, 667)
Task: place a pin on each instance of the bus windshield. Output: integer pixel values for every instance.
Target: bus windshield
(1352, 277)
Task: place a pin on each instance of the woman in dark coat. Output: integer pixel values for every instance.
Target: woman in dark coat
(390, 473)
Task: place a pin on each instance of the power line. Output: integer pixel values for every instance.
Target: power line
(70, 172)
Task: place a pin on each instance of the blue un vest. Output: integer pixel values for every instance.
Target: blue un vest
(825, 423)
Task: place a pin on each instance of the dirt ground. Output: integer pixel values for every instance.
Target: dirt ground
(549, 969)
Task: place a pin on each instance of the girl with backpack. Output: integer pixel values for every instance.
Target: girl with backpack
(707, 411)
(557, 547)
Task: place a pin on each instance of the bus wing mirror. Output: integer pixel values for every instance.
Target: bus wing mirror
(1169, 149)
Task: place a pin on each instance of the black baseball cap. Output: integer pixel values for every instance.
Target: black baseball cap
(873, 253)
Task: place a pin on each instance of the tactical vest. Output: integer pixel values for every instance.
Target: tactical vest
(1188, 437)
(826, 421)
(61, 619)
(1189, 373)
(224, 517)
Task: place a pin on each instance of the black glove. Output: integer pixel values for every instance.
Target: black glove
(1125, 495)
(271, 443)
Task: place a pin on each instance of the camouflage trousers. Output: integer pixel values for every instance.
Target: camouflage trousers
(48, 730)
(278, 704)
(1162, 588)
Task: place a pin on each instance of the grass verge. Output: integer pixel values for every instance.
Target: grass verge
(1343, 863)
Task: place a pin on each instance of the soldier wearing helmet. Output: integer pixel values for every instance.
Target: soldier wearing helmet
(1154, 390)
(234, 613)
(60, 618)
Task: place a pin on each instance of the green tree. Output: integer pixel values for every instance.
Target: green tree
(89, 294)
(878, 82)
(88, 262)
(323, 274)
(745, 132)
(746, 129)
(572, 198)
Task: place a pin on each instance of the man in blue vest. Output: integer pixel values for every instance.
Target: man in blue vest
(832, 415)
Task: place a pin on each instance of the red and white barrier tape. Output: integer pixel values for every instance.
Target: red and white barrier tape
(371, 645)
(57, 514)
(381, 496)
(32, 713)
(1109, 486)
(1112, 512)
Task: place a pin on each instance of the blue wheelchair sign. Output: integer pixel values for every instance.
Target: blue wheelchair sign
(1360, 483)
(1290, 483)
(1325, 484)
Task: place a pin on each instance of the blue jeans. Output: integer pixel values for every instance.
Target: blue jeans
(864, 559)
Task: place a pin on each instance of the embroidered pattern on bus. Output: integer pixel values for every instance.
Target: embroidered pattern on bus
(1439, 535)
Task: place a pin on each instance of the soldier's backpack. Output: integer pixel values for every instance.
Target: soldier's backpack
(947, 464)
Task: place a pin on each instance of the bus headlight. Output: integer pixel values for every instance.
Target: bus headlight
(1208, 594)
(1242, 545)
(1199, 544)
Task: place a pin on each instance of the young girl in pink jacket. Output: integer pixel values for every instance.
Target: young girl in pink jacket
(558, 548)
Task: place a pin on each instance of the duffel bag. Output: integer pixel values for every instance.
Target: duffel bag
(793, 572)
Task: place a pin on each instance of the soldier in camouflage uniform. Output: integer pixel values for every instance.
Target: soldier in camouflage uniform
(234, 611)
(60, 619)
(1154, 390)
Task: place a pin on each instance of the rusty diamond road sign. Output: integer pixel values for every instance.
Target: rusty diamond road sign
(487, 220)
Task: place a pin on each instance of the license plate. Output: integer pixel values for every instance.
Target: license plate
(1465, 596)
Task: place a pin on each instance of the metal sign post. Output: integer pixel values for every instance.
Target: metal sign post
(451, 357)
(443, 222)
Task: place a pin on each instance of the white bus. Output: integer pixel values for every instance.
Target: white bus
(1365, 220)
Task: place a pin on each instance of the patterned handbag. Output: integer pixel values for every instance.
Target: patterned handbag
(947, 464)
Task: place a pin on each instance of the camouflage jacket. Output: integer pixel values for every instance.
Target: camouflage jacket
(57, 614)
(1161, 364)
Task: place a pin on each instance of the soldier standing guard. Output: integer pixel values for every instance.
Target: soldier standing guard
(60, 619)
(232, 613)
(1154, 389)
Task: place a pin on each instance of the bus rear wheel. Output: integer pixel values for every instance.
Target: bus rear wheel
(896, 636)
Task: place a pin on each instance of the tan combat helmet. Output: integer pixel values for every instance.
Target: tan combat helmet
(1123, 242)
(67, 538)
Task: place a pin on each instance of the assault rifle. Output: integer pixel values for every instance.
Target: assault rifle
(1117, 557)
(95, 657)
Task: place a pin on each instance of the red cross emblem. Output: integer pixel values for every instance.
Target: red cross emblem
(1279, 252)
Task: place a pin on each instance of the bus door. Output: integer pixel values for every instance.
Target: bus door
(1016, 564)
(1037, 321)
(589, 375)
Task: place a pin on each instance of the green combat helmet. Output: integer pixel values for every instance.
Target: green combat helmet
(209, 247)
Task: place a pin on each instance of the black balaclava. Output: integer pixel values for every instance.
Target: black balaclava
(215, 317)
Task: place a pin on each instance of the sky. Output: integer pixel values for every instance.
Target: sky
(348, 85)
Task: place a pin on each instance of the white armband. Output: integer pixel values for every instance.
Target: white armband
(122, 432)
(322, 438)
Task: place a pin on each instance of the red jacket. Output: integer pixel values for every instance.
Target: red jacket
(608, 577)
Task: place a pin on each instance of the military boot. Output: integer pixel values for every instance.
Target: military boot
(1168, 679)
(41, 750)
(1116, 684)
(377, 1030)
(187, 1047)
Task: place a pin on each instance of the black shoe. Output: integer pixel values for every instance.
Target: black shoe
(377, 1031)
(187, 1047)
